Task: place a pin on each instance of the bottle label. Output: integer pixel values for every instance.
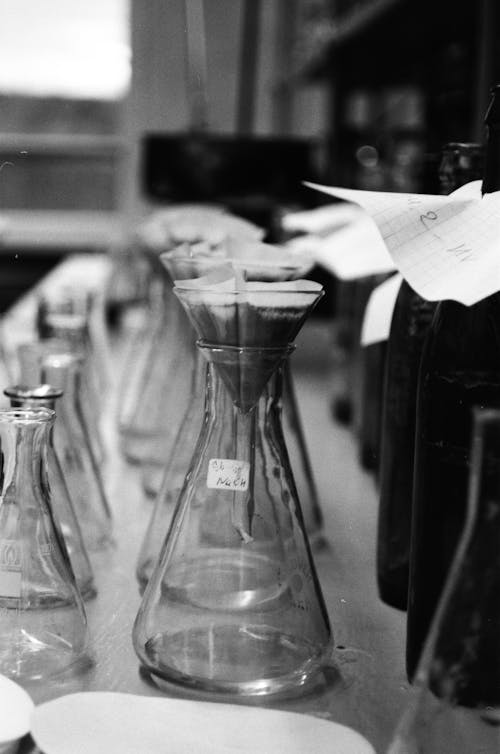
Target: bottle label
(228, 474)
(10, 568)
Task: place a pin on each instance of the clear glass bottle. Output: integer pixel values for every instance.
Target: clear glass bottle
(153, 411)
(234, 606)
(72, 329)
(460, 369)
(74, 451)
(455, 700)
(411, 319)
(45, 396)
(172, 476)
(43, 629)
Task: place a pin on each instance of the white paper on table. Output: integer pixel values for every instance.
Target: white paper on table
(16, 709)
(379, 310)
(447, 247)
(115, 723)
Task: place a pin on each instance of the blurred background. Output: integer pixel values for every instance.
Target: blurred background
(108, 108)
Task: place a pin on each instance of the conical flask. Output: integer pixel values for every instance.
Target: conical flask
(45, 396)
(73, 449)
(455, 702)
(43, 627)
(30, 357)
(166, 362)
(253, 262)
(234, 605)
(172, 475)
(150, 418)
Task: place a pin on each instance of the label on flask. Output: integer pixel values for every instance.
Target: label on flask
(228, 474)
(10, 568)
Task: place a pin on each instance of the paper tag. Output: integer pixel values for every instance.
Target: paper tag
(228, 474)
(10, 568)
(379, 310)
(445, 246)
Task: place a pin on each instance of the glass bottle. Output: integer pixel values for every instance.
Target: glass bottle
(150, 418)
(71, 441)
(72, 329)
(43, 628)
(460, 369)
(455, 702)
(411, 319)
(172, 477)
(45, 396)
(234, 605)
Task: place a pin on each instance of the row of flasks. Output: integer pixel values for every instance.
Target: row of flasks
(248, 574)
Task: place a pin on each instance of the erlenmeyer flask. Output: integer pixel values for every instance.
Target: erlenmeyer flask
(74, 452)
(161, 389)
(42, 619)
(254, 262)
(455, 704)
(30, 357)
(172, 475)
(45, 396)
(234, 605)
(73, 329)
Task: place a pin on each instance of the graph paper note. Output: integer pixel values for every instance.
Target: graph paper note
(447, 247)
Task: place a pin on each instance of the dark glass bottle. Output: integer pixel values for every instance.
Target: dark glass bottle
(460, 369)
(460, 163)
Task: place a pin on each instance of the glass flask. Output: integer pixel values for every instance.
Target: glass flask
(72, 329)
(460, 369)
(172, 476)
(255, 262)
(234, 604)
(43, 628)
(455, 702)
(151, 415)
(45, 396)
(460, 163)
(163, 373)
(71, 441)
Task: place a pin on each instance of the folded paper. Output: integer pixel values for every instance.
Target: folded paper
(447, 247)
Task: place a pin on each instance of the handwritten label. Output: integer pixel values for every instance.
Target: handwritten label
(228, 474)
(10, 568)
(445, 246)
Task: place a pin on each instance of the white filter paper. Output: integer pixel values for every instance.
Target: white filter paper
(94, 723)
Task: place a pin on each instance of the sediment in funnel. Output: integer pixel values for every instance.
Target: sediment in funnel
(262, 317)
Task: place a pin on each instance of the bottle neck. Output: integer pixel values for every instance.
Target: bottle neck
(491, 178)
(23, 449)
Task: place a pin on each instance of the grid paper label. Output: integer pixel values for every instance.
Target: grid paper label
(228, 474)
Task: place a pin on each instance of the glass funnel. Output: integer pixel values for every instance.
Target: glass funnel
(45, 396)
(42, 619)
(74, 451)
(257, 262)
(234, 605)
(161, 374)
(455, 702)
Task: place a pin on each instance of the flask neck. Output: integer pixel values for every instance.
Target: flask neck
(245, 372)
(24, 440)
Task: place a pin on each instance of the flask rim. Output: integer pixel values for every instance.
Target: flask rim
(27, 416)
